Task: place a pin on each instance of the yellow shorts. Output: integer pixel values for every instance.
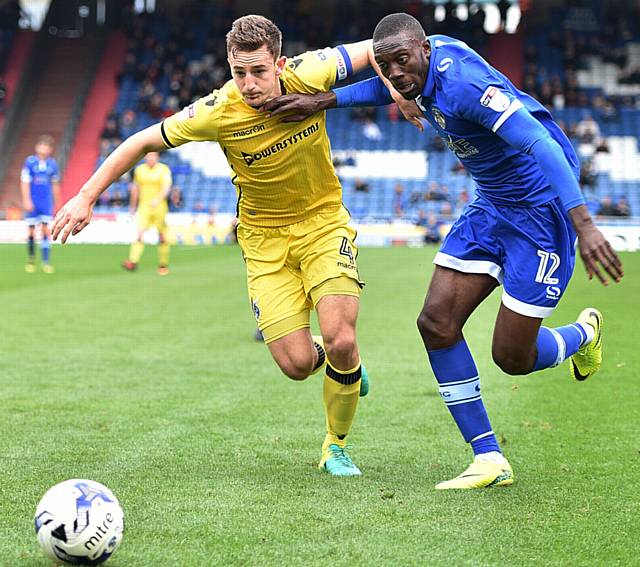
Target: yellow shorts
(148, 217)
(290, 268)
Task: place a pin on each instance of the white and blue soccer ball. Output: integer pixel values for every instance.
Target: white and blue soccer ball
(79, 522)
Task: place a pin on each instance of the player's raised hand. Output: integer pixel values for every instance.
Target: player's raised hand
(598, 256)
(298, 106)
(72, 217)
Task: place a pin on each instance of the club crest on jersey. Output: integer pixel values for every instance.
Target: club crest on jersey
(438, 117)
(495, 99)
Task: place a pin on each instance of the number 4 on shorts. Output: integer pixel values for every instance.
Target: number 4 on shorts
(346, 250)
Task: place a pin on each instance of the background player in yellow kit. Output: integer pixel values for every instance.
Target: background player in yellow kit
(293, 229)
(151, 184)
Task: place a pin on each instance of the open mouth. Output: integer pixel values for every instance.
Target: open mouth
(403, 88)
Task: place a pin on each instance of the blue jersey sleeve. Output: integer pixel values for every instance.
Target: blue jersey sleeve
(371, 92)
(25, 174)
(479, 94)
(524, 132)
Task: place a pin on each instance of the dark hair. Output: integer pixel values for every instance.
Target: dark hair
(398, 24)
(249, 33)
(45, 139)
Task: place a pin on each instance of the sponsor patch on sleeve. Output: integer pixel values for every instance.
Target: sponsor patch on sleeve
(343, 70)
(495, 99)
(186, 113)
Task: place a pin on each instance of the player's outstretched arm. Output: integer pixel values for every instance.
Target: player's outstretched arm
(371, 92)
(76, 213)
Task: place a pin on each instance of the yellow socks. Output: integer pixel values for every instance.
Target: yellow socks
(163, 254)
(135, 253)
(341, 392)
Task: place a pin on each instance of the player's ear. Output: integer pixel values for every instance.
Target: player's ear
(426, 47)
(280, 61)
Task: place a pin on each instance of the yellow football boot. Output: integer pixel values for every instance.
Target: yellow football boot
(480, 474)
(587, 361)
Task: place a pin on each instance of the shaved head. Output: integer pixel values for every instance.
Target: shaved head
(394, 25)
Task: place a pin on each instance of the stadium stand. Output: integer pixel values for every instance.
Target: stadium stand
(580, 69)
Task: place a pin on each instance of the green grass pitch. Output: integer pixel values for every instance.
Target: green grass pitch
(155, 387)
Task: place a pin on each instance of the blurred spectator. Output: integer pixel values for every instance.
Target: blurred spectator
(607, 208)
(623, 207)
(393, 112)
(446, 209)
(437, 192)
(111, 131)
(588, 130)
(198, 207)
(117, 199)
(361, 186)
(175, 199)
(463, 200)
(458, 168)
(398, 200)
(436, 144)
(431, 225)
(371, 130)
(127, 123)
(588, 174)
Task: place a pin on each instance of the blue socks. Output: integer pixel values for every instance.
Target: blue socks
(556, 345)
(459, 384)
(45, 246)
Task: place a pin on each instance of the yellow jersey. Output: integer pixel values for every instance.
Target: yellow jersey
(151, 182)
(283, 173)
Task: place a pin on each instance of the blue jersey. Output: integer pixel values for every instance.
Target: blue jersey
(40, 174)
(467, 101)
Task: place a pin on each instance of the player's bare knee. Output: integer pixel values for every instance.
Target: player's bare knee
(295, 368)
(341, 348)
(436, 329)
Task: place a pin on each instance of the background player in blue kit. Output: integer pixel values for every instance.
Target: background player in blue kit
(40, 188)
(519, 231)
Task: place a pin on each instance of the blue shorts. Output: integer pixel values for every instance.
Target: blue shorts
(530, 250)
(39, 215)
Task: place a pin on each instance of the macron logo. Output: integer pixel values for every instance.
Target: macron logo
(444, 64)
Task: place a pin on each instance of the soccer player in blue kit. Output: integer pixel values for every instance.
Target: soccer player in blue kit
(40, 188)
(520, 230)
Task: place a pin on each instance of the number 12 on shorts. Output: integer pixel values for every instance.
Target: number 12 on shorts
(545, 272)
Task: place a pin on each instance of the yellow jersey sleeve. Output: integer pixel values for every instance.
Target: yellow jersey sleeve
(197, 122)
(316, 71)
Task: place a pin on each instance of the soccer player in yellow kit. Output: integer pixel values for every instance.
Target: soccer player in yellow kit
(151, 184)
(293, 229)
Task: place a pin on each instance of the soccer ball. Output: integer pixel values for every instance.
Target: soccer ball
(79, 522)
